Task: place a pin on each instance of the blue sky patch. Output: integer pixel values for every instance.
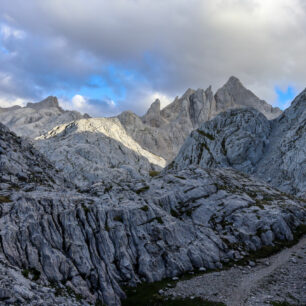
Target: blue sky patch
(284, 97)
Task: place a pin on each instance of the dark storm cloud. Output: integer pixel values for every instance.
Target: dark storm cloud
(156, 46)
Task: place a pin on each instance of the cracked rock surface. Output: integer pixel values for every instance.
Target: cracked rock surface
(163, 131)
(273, 151)
(36, 119)
(119, 233)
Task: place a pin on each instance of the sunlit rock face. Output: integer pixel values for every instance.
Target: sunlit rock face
(36, 119)
(89, 150)
(274, 151)
(116, 233)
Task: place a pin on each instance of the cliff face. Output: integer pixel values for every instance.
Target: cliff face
(125, 232)
(244, 139)
(36, 119)
(163, 132)
(89, 150)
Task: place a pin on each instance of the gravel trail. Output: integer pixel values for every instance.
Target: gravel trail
(279, 278)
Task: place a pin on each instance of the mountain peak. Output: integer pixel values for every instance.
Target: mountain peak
(152, 116)
(49, 102)
(235, 95)
(233, 81)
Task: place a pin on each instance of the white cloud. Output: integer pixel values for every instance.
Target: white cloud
(78, 102)
(194, 43)
(10, 32)
(4, 102)
(164, 99)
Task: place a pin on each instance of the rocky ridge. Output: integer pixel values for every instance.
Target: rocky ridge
(125, 232)
(163, 132)
(244, 139)
(38, 118)
(89, 150)
(136, 145)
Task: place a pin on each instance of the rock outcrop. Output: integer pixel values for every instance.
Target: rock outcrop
(89, 150)
(119, 233)
(234, 95)
(38, 118)
(244, 139)
(160, 131)
(163, 132)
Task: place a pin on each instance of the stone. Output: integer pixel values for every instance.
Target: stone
(244, 139)
(102, 147)
(202, 269)
(163, 132)
(38, 118)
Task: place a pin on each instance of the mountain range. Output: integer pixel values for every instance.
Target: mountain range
(90, 206)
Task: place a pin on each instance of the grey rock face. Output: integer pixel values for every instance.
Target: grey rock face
(89, 150)
(233, 94)
(7, 109)
(163, 132)
(244, 139)
(124, 232)
(49, 102)
(37, 118)
(153, 116)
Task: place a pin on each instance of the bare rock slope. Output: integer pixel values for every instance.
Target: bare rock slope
(89, 150)
(38, 118)
(122, 233)
(163, 132)
(274, 151)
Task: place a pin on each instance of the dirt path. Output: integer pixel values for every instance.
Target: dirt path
(241, 293)
(281, 277)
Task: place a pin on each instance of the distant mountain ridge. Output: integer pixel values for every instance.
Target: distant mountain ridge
(90, 150)
(245, 140)
(126, 144)
(36, 119)
(163, 131)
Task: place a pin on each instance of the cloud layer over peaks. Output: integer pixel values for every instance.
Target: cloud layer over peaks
(119, 54)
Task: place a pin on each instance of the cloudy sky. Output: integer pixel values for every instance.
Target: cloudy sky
(102, 57)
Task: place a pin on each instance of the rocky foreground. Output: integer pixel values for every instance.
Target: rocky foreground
(102, 219)
(93, 242)
(244, 139)
(277, 280)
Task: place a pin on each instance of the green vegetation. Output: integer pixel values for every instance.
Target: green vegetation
(67, 291)
(174, 213)
(142, 189)
(85, 209)
(209, 136)
(146, 295)
(31, 273)
(145, 208)
(5, 199)
(118, 218)
(275, 303)
(153, 173)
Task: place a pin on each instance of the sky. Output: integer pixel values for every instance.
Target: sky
(103, 57)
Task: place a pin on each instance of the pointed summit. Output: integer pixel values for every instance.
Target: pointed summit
(233, 80)
(233, 94)
(49, 102)
(153, 117)
(187, 93)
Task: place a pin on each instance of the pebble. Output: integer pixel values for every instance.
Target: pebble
(202, 269)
